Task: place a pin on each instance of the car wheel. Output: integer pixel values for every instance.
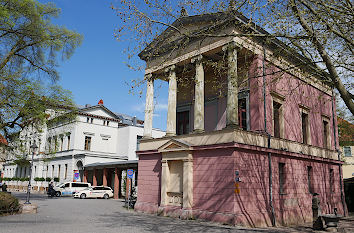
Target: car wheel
(82, 196)
(57, 194)
(105, 196)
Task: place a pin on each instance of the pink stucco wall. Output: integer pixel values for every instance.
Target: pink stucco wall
(149, 182)
(214, 173)
(296, 92)
(214, 184)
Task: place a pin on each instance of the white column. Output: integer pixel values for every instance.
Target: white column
(149, 106)
(199, 94)
(165, 174)
(172, 101)
(232, 88)
(188, 183)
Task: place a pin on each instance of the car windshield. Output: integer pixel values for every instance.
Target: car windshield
(59, 185)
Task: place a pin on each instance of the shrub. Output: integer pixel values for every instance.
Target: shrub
(39, 179)
(8, 203)
(56, 179)
(48, 179)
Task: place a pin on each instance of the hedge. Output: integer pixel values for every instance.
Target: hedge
(8, 203)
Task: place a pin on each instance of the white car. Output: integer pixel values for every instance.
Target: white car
(95, 192)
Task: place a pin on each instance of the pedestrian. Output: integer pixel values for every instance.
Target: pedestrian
(4, 187)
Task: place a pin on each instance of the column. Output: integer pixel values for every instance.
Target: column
(172, 101)
(165, 174)
(188, 183)
(94, 179)
(199, 94)
(149, 106)
(116, 183)
(85, 176)
(104, 178)
(232, 86)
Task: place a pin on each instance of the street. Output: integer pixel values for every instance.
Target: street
(99, 215)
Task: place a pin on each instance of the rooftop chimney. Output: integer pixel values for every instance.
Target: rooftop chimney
(100, 102)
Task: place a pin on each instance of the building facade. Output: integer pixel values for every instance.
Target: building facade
(96, 136)
(250, 149)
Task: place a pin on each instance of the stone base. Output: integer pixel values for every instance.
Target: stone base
(29, 209)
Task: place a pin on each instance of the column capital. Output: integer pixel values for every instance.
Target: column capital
(197, 58)
(170, 68)
(148, 76)
(231, 45)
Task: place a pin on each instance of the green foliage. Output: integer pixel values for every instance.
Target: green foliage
(29, 49)
(56, 179)
(39, 179)
(48, 179)
(8, 203)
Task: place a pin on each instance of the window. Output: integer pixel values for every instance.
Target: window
(49, 145)
(68, 142)
(52, 171)
(281, 177)
(305, 123)
(87, 119)
(242, 113)
(87, 143)
(35, 171)
(138, 139)
(325, 133)
(59, 166)
(61, 143)
(91, 120)
(104, 122)
(276, 119)
(309, 179)
(79, 185)
(66, 171)
(182, 122)
(331, 180)
(347, 150)
(67, 185)
(107, 123)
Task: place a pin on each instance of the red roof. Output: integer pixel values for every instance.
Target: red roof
(2, 140)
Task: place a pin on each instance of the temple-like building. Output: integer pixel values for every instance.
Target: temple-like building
(251, 128)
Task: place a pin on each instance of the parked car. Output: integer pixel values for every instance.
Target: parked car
(69, 188)
(95, 192)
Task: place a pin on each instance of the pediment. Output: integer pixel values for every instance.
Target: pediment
(174, 145)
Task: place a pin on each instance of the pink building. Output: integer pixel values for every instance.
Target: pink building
(250, 134)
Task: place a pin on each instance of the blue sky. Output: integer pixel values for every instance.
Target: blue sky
(98, 69)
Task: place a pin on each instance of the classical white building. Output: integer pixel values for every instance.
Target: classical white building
(98, 135)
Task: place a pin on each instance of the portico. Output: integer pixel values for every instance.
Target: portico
(197, 68)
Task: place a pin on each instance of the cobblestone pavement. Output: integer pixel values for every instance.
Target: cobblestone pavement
(76, 215)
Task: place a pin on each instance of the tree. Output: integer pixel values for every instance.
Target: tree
(320, 31)
(29, 47)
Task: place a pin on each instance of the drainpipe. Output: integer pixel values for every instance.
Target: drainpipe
(340, 165)
(268, 135)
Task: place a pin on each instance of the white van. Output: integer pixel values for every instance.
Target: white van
(69, 188)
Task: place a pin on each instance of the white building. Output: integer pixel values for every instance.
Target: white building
(98, 135)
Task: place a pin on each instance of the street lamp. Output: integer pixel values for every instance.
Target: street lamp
(34, 147)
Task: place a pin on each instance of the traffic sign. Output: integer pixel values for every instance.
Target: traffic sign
(130, 173)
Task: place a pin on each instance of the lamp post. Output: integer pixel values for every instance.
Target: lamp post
(34, 148)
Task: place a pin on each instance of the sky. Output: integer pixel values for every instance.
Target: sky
(97, 70)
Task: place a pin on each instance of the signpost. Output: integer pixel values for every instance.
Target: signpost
(130, 174)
